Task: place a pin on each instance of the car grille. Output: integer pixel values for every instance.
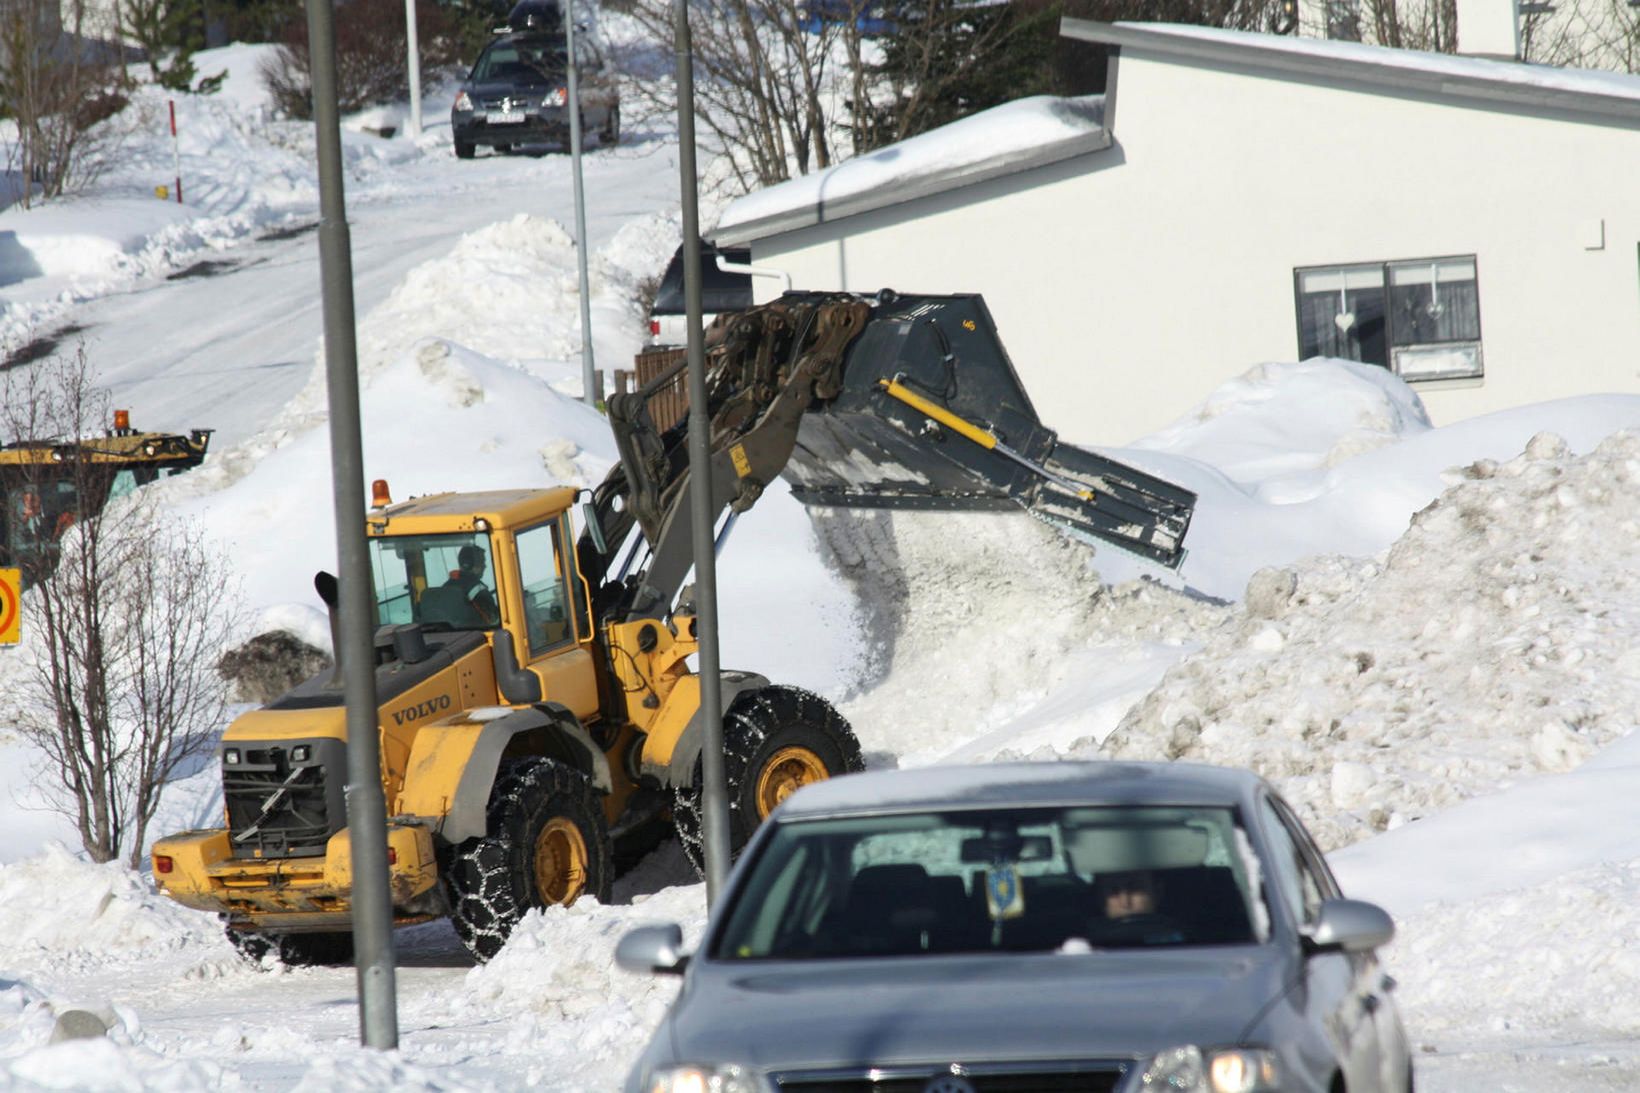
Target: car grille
(1080, 1076)
(281, 806)
(504, 103)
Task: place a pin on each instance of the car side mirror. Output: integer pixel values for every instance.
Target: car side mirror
(1350, 925)
(653, 950)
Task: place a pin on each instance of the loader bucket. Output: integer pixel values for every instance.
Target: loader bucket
(930, 414)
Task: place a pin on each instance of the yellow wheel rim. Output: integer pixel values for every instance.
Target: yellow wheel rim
(560, 862)
(786, 772)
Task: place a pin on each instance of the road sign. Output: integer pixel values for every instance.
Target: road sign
(11, 605)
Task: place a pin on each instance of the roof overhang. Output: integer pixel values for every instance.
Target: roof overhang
(1355, 66)
(915, 188)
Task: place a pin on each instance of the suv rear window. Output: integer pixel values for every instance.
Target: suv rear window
(719, 291)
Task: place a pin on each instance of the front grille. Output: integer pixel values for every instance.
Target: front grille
(1058, 1076)
(284, 799)
(510, 102)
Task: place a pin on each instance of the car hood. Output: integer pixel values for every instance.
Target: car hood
(990, 1007)
(531, 85)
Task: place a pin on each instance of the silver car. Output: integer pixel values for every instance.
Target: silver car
(1028, 927)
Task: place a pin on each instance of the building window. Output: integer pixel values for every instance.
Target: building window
(1419, 318)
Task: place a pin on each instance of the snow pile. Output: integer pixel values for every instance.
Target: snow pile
(509, 291)
(566, 1005)
(99, 914)
(1268, 428)
(1290, 461)
(1496, 639)
(1580, 933)
(116, 1064)
(1000, 621)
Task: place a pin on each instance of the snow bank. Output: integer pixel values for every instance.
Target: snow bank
(561, 997)
(99, 914)
(1000, 609)
(1290, 461)
(1495, 640)
(1561, 957)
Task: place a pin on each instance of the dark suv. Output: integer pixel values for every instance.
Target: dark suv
(517, 93)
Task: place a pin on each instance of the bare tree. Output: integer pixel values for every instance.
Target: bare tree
(1583, 34)
(769, 84)
(126, 616)
(58, 83)
(370, 68)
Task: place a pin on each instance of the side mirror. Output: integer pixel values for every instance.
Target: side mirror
(1350, 925)
(653, 950)
(589, 516)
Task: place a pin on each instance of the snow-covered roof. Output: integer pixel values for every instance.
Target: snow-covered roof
(1013, 137)
(1610, 97)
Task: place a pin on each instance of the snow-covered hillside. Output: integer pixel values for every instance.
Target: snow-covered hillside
(1423, 635)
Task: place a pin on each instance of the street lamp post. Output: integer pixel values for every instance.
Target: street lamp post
(372, 900)
(589, 393)
(714, 794)
(414, 128)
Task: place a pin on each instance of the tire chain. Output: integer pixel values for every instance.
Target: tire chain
(751, 717)
(488, 875)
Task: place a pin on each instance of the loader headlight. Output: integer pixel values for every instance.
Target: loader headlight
(231, 757)
(300, 753)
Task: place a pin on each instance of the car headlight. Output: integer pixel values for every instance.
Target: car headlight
(697, 1078)
(464, 101)
(556, 98)
(1189, 1069)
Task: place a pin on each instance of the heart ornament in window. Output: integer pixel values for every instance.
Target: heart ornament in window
(1345, 320)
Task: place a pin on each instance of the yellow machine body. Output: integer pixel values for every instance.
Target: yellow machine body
(444, 731)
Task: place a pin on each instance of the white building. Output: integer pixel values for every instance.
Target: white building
(1239, 198)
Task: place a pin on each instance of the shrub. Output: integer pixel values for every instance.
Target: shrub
(370, 60)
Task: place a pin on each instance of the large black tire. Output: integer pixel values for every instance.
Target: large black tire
(775, 740)
(547, 842)
(610, 135)
(295, 950)
(465, 150)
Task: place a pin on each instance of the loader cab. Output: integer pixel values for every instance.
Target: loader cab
(443, 581)
(500, 563)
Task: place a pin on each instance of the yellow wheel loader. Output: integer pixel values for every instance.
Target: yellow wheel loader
(535, 699)
(48, 485)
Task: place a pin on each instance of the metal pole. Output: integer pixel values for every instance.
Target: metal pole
(714, 795)
(176, 149)
(415, 68)
(366, 806)
(589, 391)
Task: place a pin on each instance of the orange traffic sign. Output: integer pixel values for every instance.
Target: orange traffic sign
(11, 605)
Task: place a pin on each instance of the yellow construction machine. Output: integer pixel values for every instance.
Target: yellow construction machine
(536, 704)
(48, 485)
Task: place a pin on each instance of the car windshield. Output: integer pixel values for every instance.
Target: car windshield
(434, 579)
(519, 61)
(1031, 880)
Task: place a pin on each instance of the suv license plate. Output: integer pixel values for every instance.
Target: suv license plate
(505, 117)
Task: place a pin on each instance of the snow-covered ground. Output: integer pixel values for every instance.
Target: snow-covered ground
(1425, 636)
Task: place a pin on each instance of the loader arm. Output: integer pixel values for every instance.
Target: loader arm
(887, 401)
